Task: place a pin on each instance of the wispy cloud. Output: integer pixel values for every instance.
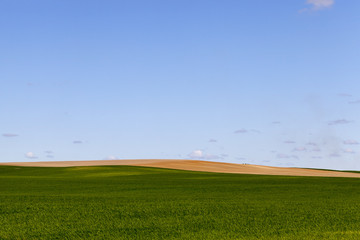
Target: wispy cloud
(335, 155)
(348, 150)
(289, 142)
(299, 149)
(77, 142)
(316, 5)
(255, 131)
(354, 102)
(110, 157)
(350, 142)
(241, 131)
(316, 149)
(339, 121)
(30, 155)
(212, 140)
(285, 156)
(9, 135)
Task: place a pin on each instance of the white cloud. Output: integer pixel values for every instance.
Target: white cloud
(196, 154)
(318, 5)
(30, 155)
(199, 154)
(111, 157)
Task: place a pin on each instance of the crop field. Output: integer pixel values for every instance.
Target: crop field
(124, 202)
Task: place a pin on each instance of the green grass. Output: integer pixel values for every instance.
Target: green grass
(123, 202)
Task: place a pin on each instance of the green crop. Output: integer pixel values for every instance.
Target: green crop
(124, 202)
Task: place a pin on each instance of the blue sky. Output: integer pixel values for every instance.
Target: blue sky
(262, 82)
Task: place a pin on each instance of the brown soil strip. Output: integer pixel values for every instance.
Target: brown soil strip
(194, 165)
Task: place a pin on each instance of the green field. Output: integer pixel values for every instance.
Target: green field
(123, 202)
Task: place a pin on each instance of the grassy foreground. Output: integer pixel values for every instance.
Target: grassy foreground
(123, 202)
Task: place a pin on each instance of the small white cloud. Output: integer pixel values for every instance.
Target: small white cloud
(318, 5)
(30, 155)
(111, 157)
(199, 154)
(196, 154)
(9, 135)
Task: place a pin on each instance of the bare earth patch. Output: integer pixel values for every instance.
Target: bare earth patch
(194, 165)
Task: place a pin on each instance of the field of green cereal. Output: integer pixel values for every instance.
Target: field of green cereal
(123, 202)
